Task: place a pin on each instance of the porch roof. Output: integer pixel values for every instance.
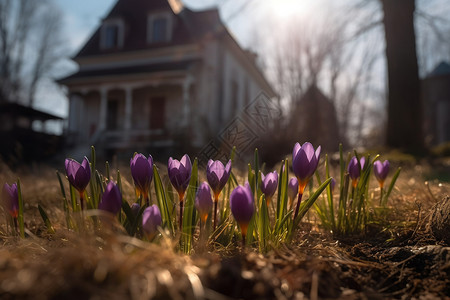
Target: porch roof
(15, 110)
(129, 70)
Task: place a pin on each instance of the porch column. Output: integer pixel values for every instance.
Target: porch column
(186, 101)
(128, 107)
(103, 108)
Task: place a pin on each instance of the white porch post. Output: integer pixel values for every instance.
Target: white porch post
(103, 108)
(128, 108)
(186, 101)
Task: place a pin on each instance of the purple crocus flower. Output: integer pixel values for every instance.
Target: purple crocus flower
(269, 185)
(203, 201)
(242, 206)
(78, 174)
(111, 199)
(180, 174)
(217, 175)
(354, 169)
(142, 173)
(381, 171)
(292, 189)
(151, 219)
(304, 163)
(10, 197)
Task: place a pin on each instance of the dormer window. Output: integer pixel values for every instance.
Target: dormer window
(159, 28)
(112, 34)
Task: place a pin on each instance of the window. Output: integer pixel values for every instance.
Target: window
(157, 113)
(159, 28)
(112, 34)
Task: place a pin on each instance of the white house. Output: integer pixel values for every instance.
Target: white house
(155, 71)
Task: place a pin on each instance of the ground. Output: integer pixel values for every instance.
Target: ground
(400, 259)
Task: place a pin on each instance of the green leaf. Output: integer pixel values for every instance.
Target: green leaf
(282, 200)
(189, 213)
(162, 201)
(65, 203)
(257, 175)
(20, 216)
(93, 184)
(306, 205)
(107, 170)
(263, 225)
(73, 198)
(46, 220)
(391, 186)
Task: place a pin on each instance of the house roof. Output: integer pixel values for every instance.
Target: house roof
(17, 109)
(441, 70)
(189, 26)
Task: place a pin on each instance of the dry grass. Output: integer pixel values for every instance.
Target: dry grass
(109, 264)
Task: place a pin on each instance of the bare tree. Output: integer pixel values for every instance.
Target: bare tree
(328, 55)
(30, 44)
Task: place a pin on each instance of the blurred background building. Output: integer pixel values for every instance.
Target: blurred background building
(436, 97)
(156, 75)
(139, 75)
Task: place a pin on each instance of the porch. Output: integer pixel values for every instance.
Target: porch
(130, 116)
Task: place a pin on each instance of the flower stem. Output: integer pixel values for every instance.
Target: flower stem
(16, 225)
(216, 201)
(381, 195)
(82, 200)
(181, 215)
(299, 200)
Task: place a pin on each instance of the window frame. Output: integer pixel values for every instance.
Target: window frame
(169, 26)
(120, 33)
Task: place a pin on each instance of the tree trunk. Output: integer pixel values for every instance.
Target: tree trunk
(404, 128)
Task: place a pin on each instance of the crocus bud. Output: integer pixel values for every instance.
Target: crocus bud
(203, 201)
(269, 185)
(78, 174)
(151, 219)
(10, 197)
(292, 189)
(304, 163)
(354, 169)
(135, 207)
(111, 199)
(381, 171)
(180, 174)
(242, 206)
(217, 175)
(142, 172)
